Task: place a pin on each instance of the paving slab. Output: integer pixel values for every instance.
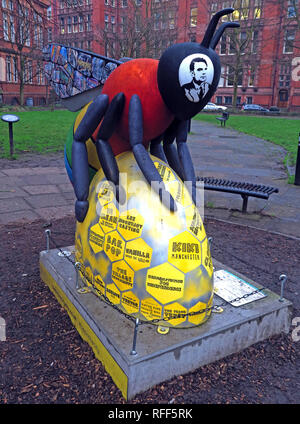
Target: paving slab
(160, 357)
(41, 189)
(55, 212)
(46, 200)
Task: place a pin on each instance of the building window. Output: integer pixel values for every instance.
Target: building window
(228, 100)
(223, 44)
(28, 72)
(225, 5)
(62, 25)
(243, 41)
(285, 75)
(171, 19)
(75, 23)
(232, 45)
(49, 30)
(69, 24)
(257, 9)
(238, 100)
(80, 23)
(8, 69)
(193, 17)
(283, 95)
(251, 76)
(213, 9)
(88, 23)
(113, 23)
(123, 24)
(222, 77)
(249, 100)
(292, 8)
(106, 20)
(5, 27)
(219, 100)
(124, 3)
(12, 29)
(289, 41)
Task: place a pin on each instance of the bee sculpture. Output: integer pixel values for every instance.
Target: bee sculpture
(150, 266)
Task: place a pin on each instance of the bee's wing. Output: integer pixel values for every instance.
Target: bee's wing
(76, 75)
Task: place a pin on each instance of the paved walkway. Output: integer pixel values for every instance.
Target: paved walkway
(39, 188)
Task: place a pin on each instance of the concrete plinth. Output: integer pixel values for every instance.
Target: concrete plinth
(160, 357)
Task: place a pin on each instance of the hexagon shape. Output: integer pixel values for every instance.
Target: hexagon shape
(165, 172)
(99, 284)
(206, 259)
(179, 192)
(138, 254)
(113, 294)
(194, 222)
(122, 275)
(109, 217)
(130, 302)
(165, 283)
(96, 238)
(177, 311)
(185, 252)
(198, 317)
(130, 224)
(151, 309)
(114, 246)
(105, 192)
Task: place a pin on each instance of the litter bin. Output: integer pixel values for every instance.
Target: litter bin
(29, 102)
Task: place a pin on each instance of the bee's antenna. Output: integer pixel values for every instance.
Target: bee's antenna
(220, 31)
(213, 25)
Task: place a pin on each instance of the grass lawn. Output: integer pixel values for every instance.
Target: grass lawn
(37, 132)
(282, 131)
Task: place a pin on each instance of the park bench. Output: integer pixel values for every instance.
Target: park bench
(244, 189)
(223, 118)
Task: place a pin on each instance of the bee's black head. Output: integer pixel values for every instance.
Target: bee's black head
(189, 73)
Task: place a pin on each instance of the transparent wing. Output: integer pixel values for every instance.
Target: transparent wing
(76, 75)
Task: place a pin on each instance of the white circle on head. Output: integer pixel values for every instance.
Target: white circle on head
(195, 70)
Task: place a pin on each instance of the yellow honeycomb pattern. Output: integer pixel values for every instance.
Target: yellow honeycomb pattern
(130, 224)
(122, 275)
(96, 238)
(185, 252)
(155, 272)
(175, 313)
(109, 217)
(165, 283)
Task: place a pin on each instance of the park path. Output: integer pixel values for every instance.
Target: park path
(37, 187)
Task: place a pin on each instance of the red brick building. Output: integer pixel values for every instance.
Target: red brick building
(23, 33)
(260, 61)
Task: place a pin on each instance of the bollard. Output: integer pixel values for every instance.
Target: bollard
(297, 172)
(10, 119)
(282, 279)
(47, 232)
(133, 350)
